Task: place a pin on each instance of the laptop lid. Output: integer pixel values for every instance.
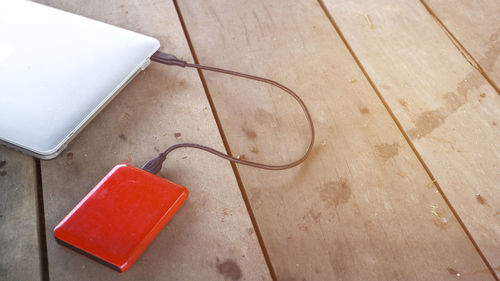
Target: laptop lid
(57, 71)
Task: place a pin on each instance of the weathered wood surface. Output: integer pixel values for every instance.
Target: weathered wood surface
(362, 207)
(211, 237)
(447, 108)
(476, 26)
(19, 242)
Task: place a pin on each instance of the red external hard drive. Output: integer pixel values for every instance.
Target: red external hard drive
(120, 216)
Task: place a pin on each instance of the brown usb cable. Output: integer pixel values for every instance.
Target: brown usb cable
(154, 165)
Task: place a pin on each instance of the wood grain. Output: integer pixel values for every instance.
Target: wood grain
(476, 26)
(211, 237)
(19, 242)
(446, 107)
(362, 207)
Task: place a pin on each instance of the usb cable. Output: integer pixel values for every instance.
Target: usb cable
(154, 165)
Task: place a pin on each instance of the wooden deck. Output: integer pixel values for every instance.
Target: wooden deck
(403, 182)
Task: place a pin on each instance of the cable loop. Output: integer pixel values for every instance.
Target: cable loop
(172, 60)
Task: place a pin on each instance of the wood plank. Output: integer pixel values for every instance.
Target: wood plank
(211, 237)
(476, 25)
(362, 207)
(449, 111)
(19, 241)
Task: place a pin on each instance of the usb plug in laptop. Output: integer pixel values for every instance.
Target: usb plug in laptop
(57, 71)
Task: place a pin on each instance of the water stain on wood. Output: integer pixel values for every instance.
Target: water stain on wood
(123, 136)
(182, 83)
(250, 231)
(126, 115)
(229, 269)
(364, 110)
(249, 133)
(452, 271)
(494, 123)
(2, 163)
(303, 228)
(387, 151)
(335, 193)
(429, 120)
(314, 215)
(368, 224)
(439, 221)
(426, 122)
(480, 199)
(403, 103)
(491, 56)
(454, 101)
(264, 117)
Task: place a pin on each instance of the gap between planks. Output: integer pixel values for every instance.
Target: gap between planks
(405, 135)
(226, 146)
(463, 51)
(44, 259)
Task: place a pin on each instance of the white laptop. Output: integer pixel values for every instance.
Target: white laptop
(57, 71)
